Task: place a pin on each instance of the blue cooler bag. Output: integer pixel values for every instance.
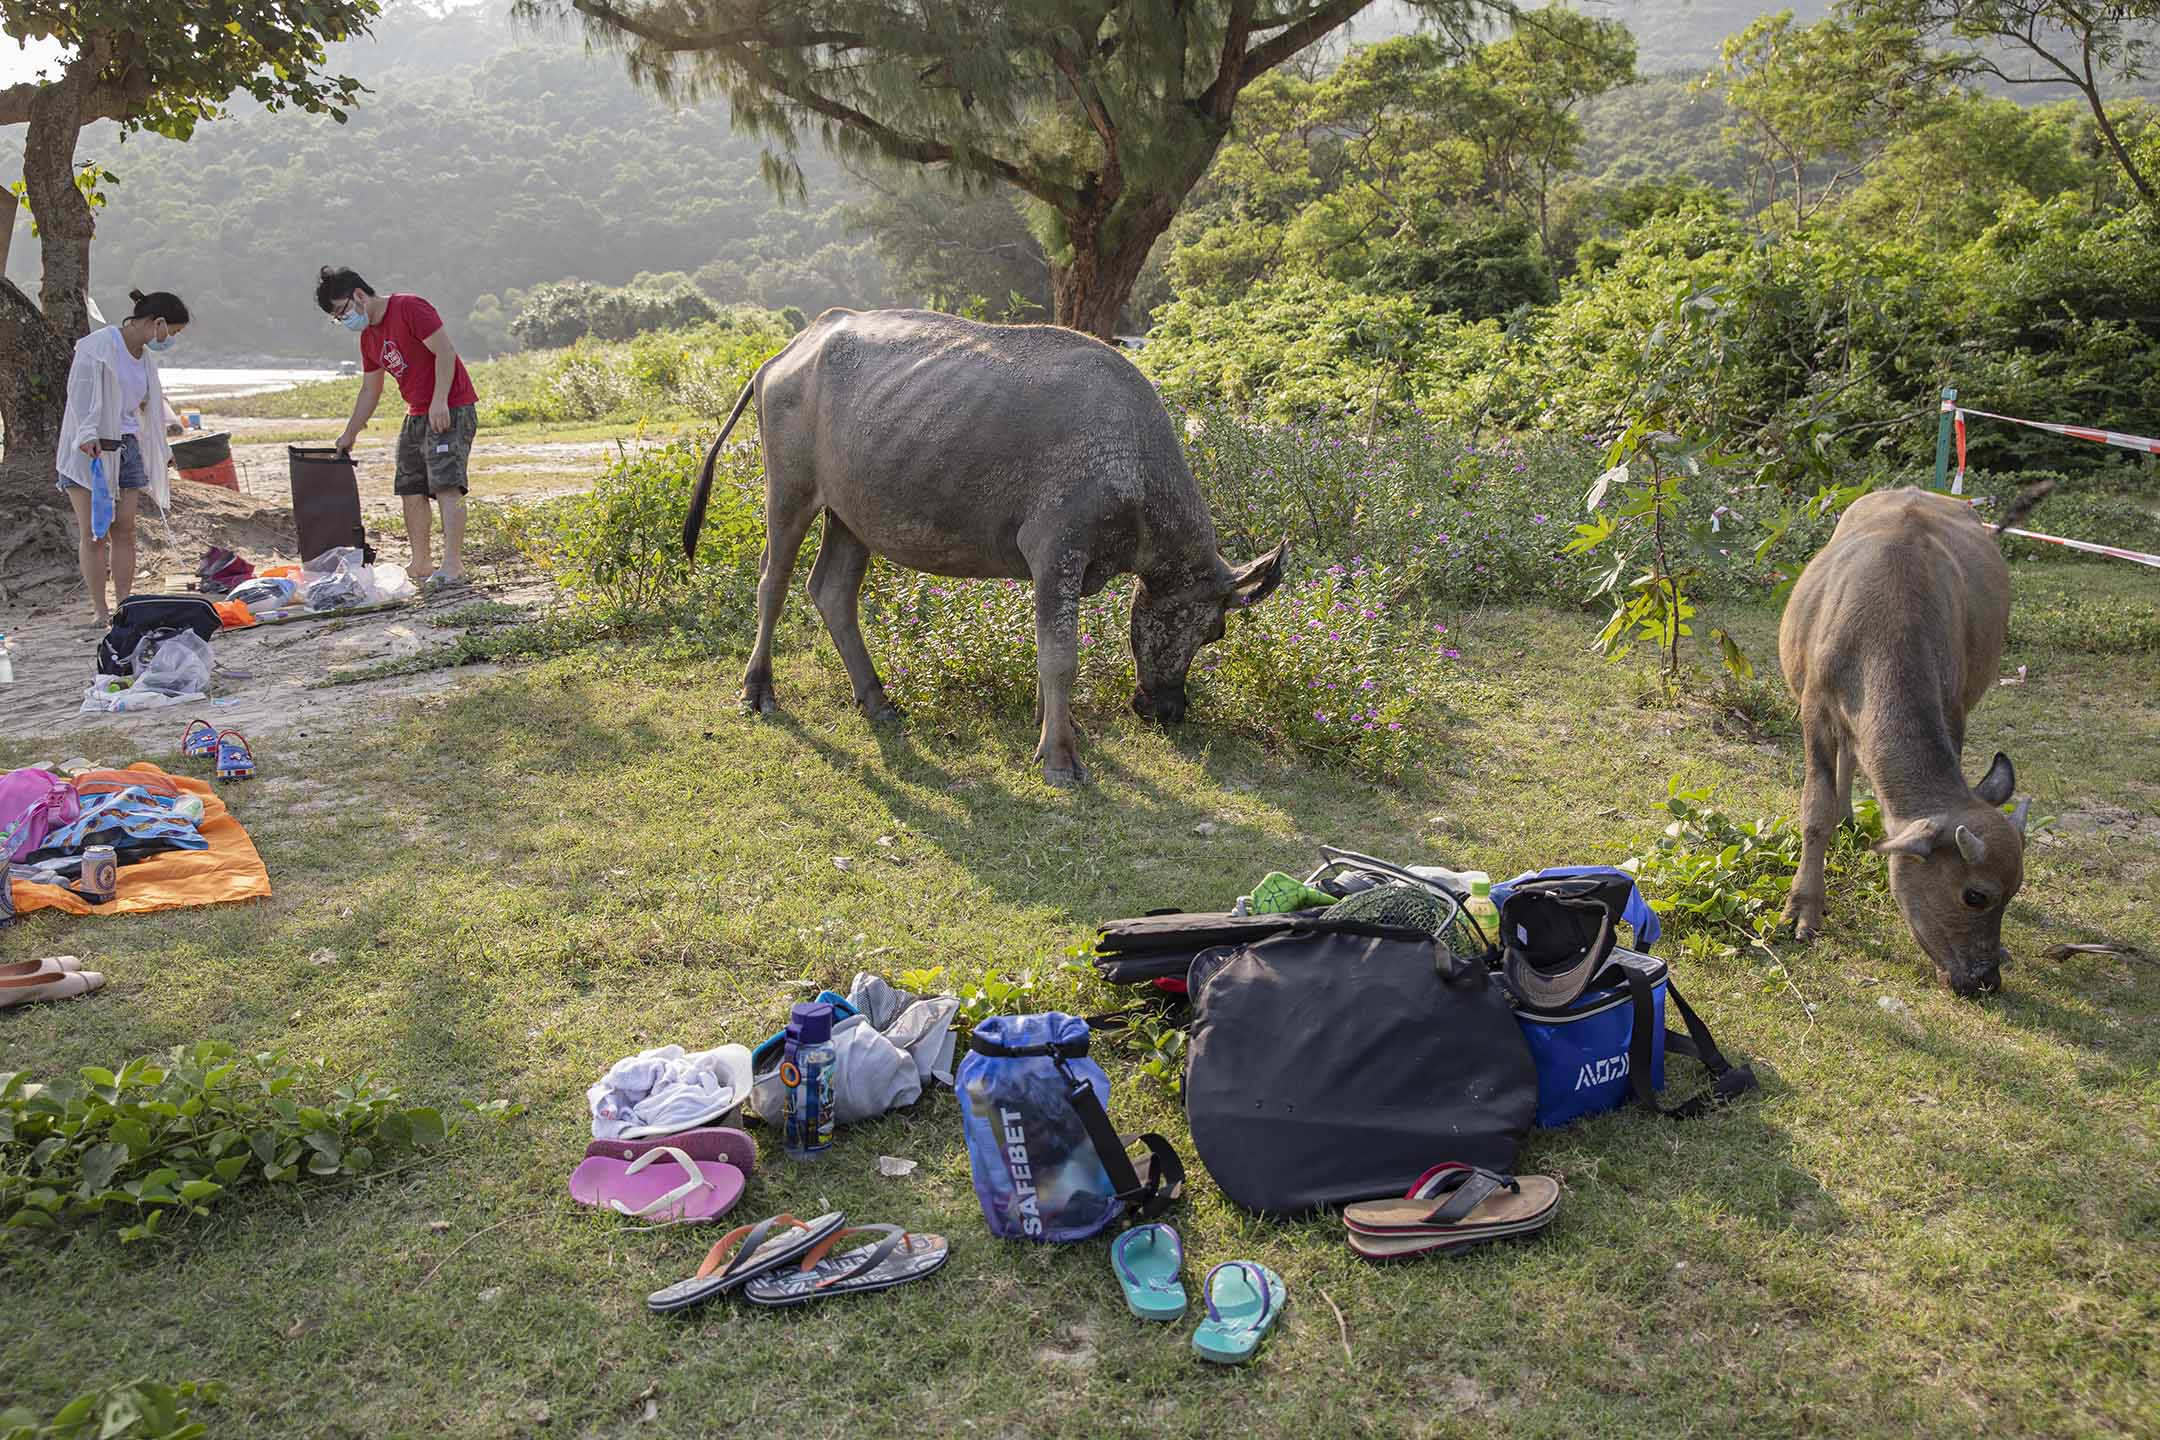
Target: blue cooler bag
(1610, 1045)
(1047, 1163)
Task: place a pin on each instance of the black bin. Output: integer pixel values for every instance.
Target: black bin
(326, 501)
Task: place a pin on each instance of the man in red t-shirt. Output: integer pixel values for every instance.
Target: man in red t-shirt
(402, 336)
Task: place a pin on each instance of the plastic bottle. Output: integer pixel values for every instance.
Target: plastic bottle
(7, 663)
(1480, 907)
(806, 1076)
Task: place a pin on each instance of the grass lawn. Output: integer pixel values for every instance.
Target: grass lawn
(1938, 1218)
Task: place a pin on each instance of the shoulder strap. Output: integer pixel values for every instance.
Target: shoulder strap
(1726, 1079)
(1148, 1191)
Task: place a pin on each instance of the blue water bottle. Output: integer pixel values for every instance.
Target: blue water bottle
(806, 1076)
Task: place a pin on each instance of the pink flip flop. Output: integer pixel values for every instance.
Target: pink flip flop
(663, 1185)
(707, 1142)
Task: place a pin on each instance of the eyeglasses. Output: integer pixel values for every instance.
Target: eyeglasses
(339, 311)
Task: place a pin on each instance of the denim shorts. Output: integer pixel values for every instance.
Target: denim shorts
(129, 469)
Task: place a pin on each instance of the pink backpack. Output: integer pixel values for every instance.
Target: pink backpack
(33, 803)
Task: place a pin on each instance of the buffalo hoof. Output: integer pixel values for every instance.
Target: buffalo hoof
(883, 712)
(1065, 778)
(1805, 919)
(759, 702)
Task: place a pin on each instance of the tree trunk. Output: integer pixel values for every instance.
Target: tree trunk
(1089, 291)
(37, 343)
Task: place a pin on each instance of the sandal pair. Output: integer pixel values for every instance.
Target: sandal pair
(1244, 1299)
(1452, 1206)
(201, 740)
(785, 1261)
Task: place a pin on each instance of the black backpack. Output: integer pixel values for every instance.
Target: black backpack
(141, 617)
(1339, 1061)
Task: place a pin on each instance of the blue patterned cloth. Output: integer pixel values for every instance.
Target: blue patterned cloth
(128, 820)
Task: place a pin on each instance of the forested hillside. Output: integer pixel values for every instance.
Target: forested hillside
(486, 160)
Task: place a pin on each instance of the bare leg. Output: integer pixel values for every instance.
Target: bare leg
(787, 520)
(122, 539)
(453, 533)
(835, 586)
(1818, 818)
(1057, 662)
(417, 526)
(94, 556)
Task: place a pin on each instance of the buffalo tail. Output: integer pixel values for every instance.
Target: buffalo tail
(700, 496)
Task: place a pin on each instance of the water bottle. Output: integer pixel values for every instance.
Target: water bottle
(806, 1078)
(1480, 907)
(7, 663)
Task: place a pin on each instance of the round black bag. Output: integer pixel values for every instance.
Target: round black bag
(1340, 1061)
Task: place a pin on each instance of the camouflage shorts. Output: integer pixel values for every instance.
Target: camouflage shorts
(431, 464)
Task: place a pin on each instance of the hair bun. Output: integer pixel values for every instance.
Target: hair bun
(136, 296)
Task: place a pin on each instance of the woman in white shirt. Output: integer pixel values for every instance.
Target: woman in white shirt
(116, 413)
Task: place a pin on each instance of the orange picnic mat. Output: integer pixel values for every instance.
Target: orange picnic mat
(229, 870)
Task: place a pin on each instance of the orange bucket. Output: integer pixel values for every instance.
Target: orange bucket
(221, 473)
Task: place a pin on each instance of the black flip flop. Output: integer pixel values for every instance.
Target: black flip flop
(765, 1246)
(894, 1260)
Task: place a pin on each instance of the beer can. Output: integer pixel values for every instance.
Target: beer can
(100, 879)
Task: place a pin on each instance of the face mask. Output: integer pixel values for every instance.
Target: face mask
(161, 346)
(354, 320)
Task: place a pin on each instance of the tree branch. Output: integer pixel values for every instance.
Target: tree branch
(108, 100)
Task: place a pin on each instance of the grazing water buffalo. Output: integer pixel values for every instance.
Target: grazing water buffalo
(1021, 451)
(1891, 637)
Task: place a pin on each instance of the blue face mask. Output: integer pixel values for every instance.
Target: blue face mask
(354, 320)
(161, 346)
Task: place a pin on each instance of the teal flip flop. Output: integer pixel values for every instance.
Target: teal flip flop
(1241, 1309)
(1148, 1260)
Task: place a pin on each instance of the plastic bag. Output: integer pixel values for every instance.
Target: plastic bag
(265, 594)
(176, 664)
(388, 580)
(337, 579)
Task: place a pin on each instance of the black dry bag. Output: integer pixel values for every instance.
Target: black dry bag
(1339, 1061)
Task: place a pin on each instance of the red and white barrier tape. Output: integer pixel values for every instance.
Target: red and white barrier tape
(2144, 444)
(2138, 557)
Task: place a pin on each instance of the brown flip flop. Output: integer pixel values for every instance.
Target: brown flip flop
(1452, 1207)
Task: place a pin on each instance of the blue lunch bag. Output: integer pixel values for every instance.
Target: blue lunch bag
(1610, 1044)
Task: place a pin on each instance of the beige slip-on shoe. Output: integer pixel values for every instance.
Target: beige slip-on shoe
(60, 985)
(53, 964)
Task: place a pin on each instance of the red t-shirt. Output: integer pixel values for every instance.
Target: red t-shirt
(399, 345)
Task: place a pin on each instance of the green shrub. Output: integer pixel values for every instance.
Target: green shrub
(1332, 666)
(176, 1133)
(131, 1410)
(2055, 619)
(1452, 517)
(618, 547)
(1708, 870)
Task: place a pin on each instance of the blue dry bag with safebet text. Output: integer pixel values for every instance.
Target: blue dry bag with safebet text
(1048, 1165)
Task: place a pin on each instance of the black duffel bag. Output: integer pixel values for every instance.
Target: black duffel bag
(1339, 1061)
(146, 617)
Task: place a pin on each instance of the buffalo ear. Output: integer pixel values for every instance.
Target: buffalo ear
(1999, 783)
(1250, 584)
(1916, 838)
